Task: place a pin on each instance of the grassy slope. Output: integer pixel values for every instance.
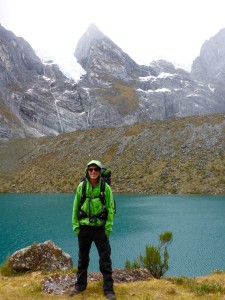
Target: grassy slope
(209, 287)
(176, 156)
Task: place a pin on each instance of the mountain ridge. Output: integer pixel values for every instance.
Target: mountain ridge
(37, 99)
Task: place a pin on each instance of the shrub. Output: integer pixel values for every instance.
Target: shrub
(134, 265)
(128, 264)
(6, 269)
(152, 260)
(218, 271)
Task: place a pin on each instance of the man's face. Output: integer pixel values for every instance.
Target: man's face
(93, 172)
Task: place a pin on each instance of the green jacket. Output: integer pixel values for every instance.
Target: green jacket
(92, 195)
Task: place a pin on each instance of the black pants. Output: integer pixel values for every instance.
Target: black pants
(87, 235)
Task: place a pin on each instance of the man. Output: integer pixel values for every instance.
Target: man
(92, 220)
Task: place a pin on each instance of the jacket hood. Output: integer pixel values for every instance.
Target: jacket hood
(95, 162)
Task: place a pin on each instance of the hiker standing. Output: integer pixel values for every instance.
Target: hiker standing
(92, 219)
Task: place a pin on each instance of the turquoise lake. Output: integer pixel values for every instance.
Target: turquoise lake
(196, 221)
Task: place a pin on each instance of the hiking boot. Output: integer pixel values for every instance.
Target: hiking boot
(110, 295)
(74, 292)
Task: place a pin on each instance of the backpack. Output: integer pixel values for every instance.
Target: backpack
(106, 175)
(105, 178)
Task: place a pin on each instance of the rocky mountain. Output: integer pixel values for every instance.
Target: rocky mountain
(210, 65)
(37, 99)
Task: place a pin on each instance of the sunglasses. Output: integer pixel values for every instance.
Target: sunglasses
(93, 169)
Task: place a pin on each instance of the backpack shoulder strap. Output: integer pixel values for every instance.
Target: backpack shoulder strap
(102, 191)
(83, 195)
(102, 196)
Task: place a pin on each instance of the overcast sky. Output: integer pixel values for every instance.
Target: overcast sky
(145, 29)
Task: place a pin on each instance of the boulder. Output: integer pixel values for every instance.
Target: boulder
(44, 256)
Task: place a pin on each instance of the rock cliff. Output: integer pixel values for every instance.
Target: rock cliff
(37, 99)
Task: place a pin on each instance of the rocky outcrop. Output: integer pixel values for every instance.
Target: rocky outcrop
(59, 284)
(44, 256)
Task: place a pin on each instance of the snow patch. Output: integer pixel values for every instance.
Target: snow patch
(192, 95)
(146, 78)
(161, 75)
(211, 89)
(163, 90)
(165, 75)
(67, 63)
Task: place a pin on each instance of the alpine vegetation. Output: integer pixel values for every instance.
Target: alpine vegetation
(156, 258)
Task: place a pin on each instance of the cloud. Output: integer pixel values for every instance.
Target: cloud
(145, 29)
